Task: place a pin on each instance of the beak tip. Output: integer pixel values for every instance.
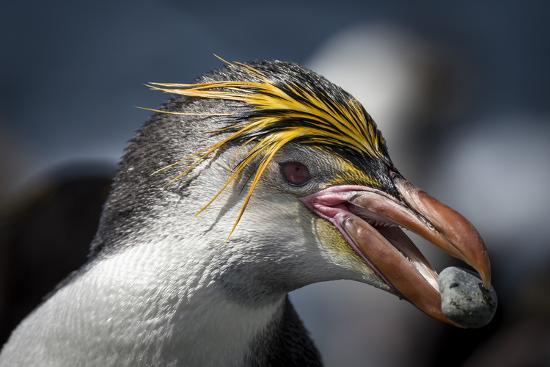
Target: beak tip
(460, 238)
(483, 266)
(486, 277)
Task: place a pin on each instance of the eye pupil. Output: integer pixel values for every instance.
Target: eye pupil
(295, 173)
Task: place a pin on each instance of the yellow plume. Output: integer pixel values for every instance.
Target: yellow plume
(278, 113)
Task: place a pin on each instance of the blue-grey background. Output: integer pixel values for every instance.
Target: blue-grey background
(461, 90)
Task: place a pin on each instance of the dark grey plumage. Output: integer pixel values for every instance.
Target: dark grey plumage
(284, 343)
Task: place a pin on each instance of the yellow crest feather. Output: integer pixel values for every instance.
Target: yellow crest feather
(326, 122)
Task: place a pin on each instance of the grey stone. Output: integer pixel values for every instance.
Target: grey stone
(464, 299)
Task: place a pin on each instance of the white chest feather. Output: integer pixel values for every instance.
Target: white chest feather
(145, 307)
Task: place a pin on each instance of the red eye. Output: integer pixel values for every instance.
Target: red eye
(295, 173)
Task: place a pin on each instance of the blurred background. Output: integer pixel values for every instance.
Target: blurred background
(461, 91)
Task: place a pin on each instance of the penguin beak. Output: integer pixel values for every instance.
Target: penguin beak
(371, 221)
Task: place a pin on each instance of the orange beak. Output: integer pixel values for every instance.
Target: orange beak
(371, 221)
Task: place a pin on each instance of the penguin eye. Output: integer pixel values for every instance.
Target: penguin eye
(295, 173)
